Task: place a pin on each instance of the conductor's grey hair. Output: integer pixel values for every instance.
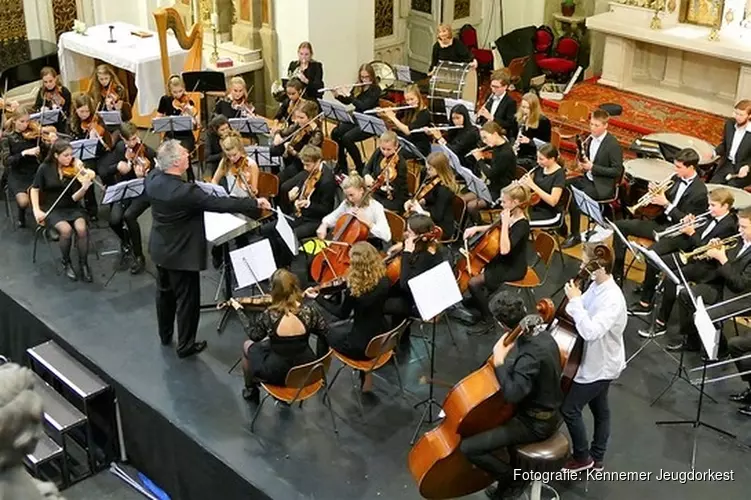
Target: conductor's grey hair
(168, 154)
(20, 414)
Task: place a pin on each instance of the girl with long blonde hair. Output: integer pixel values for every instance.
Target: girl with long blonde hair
(532, 125)
(436, 200)
(20, 154)
(412, 119)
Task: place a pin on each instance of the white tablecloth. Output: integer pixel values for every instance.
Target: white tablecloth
(138, 55)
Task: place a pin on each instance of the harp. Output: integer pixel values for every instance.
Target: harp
(169, 18)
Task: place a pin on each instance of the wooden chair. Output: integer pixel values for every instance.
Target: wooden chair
(545, 246)
(380, 351)
(573, 112)
(563, 205)
(555, 139)
(302, 383)
(397, 224)
(329, 150)
(516, 70)
(413, 183)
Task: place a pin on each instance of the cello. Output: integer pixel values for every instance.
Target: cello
(393, 261)
(472, 406)
(333, 261)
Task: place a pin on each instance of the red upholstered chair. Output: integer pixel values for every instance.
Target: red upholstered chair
(562, 64)
(468, 36)
(544, 39)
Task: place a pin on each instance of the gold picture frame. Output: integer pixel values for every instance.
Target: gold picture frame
(702, 12)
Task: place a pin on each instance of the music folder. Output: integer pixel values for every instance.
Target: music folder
(84, 149)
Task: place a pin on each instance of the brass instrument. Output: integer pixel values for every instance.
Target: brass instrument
(701, 252)
(700, 220)
(654, 191)
(383, 110)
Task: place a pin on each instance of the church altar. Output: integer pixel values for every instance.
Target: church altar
(675, 61)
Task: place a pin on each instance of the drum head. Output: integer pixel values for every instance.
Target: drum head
(385, 74)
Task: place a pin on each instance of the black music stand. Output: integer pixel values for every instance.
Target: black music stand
(47, 116)
(335, 111)
(370, 124)
(474, 183)
(117, 193)
(202, 82)
(263, 156)
(250, 125)
(84, 149)
(111, 118)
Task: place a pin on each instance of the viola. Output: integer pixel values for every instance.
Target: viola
(393, 262)
(309, 187)
(423, 191)
(333, 261)
(387, 175)
(472, 406)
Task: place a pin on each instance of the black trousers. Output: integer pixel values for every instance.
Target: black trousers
(582, 184)
(724, 171)
(128, 212)
(631, 227)
(663, 248)
(480, 449)
(594, 394)
(741, 346)
(302, 227)
(347, 135)
(711, 295)
(178, 293)
(693, 272)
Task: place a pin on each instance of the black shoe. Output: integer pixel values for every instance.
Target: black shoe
(638, 289)
(69, 271)
(742, 397)
(638, 309)
(463, 315)
(217, 257)
(252, 394)
(194, 349)
(681, 346)
(86, 272)
(571, 241)
(745, 410)
(21, 223)
(138, 265)
(166, 341)
(618, 280)
(52, 234)
(482, 328)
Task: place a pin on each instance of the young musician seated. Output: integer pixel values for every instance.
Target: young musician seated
(735, 149)
(687, 195)
(411, 119)
(511, 262)
(53, 95)
(303, 131)
(308, 71)
(435, 197)
(531, 124)
(85, 123)
(236, 104)
(731, 279)
(219, 128)
(66, 216)
(283, 118)
(461, 141)
(600, 317)
(392, 193)
(602, 167)
(131, 159)
(364, 298)
(363, 97)
(448, 48)
(738, 347)
(20, 154)
(548, 182)
(359, 202)
(529, 371)
(498, 171)
(279, 335)
(237, 172)
(499, 106)
(722, 225)
(108, 93)
(177, 103)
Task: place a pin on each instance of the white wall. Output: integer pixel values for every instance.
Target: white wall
(292, 27)
(518, 14)
(136, 12)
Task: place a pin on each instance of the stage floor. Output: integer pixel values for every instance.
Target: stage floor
(294, 454)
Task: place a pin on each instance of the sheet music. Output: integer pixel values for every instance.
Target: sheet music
(435, 290)
(123, 191)
(172, 124)
(111, 118)
(84, 149)
(253, 263)
(218, 225)
(709, 335)
(286, 232)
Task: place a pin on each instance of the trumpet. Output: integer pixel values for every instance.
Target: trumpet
(656, 190)
(700, 220)
(701, 252)
(392, 108)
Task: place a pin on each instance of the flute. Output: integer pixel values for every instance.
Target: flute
(393, 108)
(331, 89)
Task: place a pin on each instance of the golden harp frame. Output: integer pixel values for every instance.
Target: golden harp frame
(169, 18)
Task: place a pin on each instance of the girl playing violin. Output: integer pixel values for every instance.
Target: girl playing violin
(20, 152)
(219, 128)
(236, 172)
(283, 117)
(387, 167)
(435, 196)
(548, 182)
(109, 93)
(460, 140)
(297, 137)
(359, 202)
(532, 124)
(86, 124)
(53, 95)
(496, 164)
(308, 71)
(59, 185)
(236, 104)
(410, 119)
(177, 103)
(363, 98)
(364, 299)
(511, 262)
(279, 335)
(131, 159)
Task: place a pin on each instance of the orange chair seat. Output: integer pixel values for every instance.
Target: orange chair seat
(287, 394)
(530, 280)
(645, 242)
(365, 365)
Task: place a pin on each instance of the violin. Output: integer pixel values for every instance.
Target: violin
(299, 134)
(387, 175)
(76, 170)
(96, 130)
(138, 156)
(182, 104)
(243, 106)
(33, 131)
(424, 189)
(472, 406)
(393, 262)
(309, 187)
(333, 260)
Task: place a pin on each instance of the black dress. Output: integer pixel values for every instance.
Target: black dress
(186, 138)
(439, 203)
(65, 106)
(224, 107)
(399, 185)
(50, 186)
(541, 133)
(513, 265)
(501, 169)
(542, 211)
(314, 74)
(421, 140)
(214, 152)
(368, 320)
(272, 355)
(456, 52)
(21, 169)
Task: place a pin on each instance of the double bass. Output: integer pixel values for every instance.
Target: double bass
(476, 405)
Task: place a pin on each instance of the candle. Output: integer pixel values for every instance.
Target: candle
(215, 20)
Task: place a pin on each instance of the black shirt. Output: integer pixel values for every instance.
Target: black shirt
(399, 185)
(530, 376)
(13, 145)
(513, 265)
(167, 109)
(314, 74)
(324, 195)
(501, 169)
(414, 121)
(416, 263)
(65, 105)
(541, 133)
(107, 167)
(365, 100)
(462, 141)
(439, 203)
(456, 52)
(557, 179)
(48, 182)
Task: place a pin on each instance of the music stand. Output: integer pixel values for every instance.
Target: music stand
(172, 124)
(202, 82)
(250, 125)
(46, 117)
(111, 118)
(334, 111)
(372, 125)
(434, 292)
(117, 193)
(263, 157)
(85, 149)
(410, 148)
(590, 208)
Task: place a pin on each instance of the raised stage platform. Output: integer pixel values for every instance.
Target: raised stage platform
(187, 427)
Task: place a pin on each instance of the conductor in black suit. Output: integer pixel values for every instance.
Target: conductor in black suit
(178, 243)
(735, 149)
(500, 106)
(603, 169)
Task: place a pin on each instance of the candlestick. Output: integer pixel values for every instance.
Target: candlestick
(215, 19)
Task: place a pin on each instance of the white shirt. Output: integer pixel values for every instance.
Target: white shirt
(496, 102)
(745, 247)
(738, 135)
(682, 187)
(711, 226)
(373, 213)
(600, 316)
(594, 147)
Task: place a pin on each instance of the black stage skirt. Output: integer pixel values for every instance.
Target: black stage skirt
(268, 366)
(19, 182)
(66, 214)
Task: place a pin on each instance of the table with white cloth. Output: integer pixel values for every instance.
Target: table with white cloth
(132, 53)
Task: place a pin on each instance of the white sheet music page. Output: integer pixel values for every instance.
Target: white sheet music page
(217, 225)
(286, 232)
(435, 290)
(709, 335)
(253, 263)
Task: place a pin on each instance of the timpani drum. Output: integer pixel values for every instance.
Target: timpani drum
(742, 197)
(672, 143)
(640, 172)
